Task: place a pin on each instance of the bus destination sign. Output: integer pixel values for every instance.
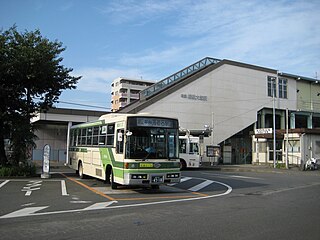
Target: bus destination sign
(154, 122)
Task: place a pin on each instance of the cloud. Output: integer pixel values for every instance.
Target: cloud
(120, 12)
(268, 33)
(66, 6)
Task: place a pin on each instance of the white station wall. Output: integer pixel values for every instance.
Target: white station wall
(229, 97)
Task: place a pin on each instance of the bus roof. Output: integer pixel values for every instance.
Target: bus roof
(113, 117)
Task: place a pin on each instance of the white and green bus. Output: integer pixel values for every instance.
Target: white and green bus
(127, 149)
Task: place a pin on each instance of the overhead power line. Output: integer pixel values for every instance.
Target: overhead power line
(83, 105)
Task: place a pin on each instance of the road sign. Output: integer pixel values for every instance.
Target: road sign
(46, 162)
(263, 131)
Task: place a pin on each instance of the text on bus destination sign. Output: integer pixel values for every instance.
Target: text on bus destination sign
(154, 122)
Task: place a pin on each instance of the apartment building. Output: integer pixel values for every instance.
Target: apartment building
(124, 91)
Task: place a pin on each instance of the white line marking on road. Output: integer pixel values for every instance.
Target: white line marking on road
(4, 183)
(28, 193)
(245, 177)
(80, 201)
(183, 179)
(30, 211)
(28, 180)
(107, 190)
(31, 186)
(64, 188)
(29, 190)
(229, 176)
(27, 204)
(200, 186)
(100, 205)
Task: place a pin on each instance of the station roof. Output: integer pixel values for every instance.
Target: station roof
(64, 115)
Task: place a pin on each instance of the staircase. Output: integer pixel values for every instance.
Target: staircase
(178, 76)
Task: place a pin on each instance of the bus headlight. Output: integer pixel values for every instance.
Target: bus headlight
(139, 176)
(173, 175)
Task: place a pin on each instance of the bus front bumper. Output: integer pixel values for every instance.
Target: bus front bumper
(151, 178)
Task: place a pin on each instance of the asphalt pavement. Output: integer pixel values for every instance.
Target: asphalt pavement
(62, 167)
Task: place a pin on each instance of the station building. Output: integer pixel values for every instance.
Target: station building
(52, 128)
(236, 102)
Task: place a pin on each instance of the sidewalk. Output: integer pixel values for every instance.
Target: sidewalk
(55, 166)
(248, 168)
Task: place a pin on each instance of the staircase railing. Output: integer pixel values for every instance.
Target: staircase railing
(178, 76)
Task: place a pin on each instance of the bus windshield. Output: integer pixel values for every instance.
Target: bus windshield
(152, 143)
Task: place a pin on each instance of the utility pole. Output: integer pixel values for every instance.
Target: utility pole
(287, 138)
(274, 119)
(212, 138)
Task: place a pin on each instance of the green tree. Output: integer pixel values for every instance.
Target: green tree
(31, 78)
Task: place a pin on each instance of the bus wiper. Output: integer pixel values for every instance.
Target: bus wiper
(143, 159)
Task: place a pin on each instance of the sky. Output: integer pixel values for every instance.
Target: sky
(152, 39)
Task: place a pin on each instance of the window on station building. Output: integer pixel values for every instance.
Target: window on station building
(283, 88)
(269, 121)
(294, 146)
(315, 122)
(271, 82)
(301, 121)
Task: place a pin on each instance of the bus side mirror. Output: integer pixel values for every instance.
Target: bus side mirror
(128, 133)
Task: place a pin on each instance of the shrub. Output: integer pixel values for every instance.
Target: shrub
(25, 170)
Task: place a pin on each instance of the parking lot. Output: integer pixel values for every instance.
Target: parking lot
(65, 192)
(204, 201)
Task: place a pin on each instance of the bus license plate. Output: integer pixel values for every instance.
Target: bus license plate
(157, 179)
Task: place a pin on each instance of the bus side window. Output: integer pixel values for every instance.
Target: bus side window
(83, 136)
(120, 140)
(73, 139)
(95, 137)
(89, 136)
(78, 137)
(182, 146)
(102, 135)
(110, 135)
(194, 148)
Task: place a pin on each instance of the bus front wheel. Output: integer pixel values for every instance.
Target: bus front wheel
(110, 178)
(183, 164)
(80, 171)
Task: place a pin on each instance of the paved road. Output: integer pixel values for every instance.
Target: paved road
(206, 205)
